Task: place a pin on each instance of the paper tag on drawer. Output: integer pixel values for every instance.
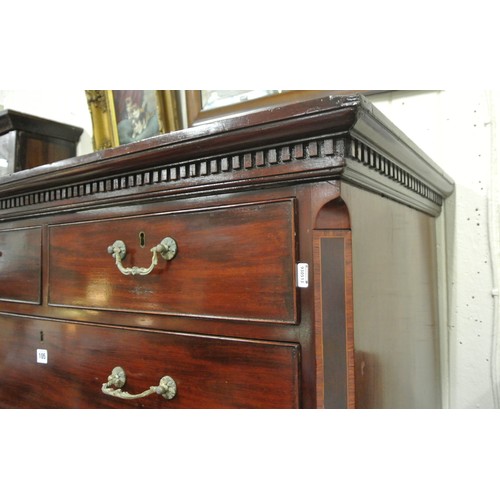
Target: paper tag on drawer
(302, 275)
(42, 356)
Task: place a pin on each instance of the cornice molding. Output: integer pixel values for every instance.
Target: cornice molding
(375, 172)
(314, 158)
(330, 138)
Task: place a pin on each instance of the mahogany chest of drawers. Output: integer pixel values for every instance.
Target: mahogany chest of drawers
(280, 259)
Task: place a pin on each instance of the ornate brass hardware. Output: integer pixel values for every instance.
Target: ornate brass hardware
(166, 388)
(167, 249)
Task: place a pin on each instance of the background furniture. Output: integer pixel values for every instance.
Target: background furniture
(28, 141)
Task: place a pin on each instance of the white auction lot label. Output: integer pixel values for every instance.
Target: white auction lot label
(302, 275)
(42, 356)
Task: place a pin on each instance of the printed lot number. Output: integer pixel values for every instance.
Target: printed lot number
(42, 356)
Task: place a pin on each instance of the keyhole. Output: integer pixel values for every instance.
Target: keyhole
(142, 239)
(41, 336)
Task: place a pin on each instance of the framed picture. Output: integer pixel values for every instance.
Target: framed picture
(207, 105)
(126, 116)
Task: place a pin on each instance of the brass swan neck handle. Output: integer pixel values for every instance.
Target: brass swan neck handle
(166, 387)
(167, 249)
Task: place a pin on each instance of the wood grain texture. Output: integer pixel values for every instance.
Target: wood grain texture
(21, 265)
(210, 372)
(227, 257)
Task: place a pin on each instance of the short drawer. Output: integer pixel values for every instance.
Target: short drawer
(76, 360)
(20, 265)
(233, 262)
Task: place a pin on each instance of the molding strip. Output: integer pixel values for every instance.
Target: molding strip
(211, 168)
(259, 162)
(374, 160)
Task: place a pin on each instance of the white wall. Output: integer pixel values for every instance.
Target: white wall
(459, 130)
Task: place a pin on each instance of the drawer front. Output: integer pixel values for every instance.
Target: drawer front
(20, 265)
(232, 262)
(209, 372)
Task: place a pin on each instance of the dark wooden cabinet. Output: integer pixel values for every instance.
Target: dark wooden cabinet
(284, 258)
(28, 141)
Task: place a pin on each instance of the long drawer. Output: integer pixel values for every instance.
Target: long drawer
(21, 265)
(231, 262)
(51, 364)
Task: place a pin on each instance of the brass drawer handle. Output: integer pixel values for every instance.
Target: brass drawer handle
(167, 249)
(166, 388)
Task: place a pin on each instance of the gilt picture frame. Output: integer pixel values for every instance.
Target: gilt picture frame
(126, 116)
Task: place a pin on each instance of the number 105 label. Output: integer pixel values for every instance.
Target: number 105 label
(42, 356)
